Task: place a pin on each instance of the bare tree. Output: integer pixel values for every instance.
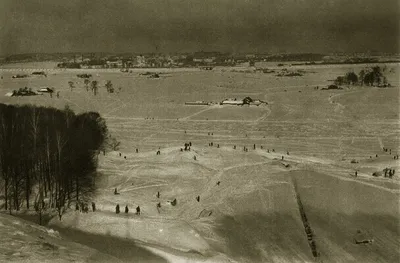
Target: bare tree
(94, 86)
(71, 85)
(109, 86)
(86, 82)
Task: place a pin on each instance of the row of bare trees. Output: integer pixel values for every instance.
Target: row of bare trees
(373, 76)
(93, 86)
(47, 155)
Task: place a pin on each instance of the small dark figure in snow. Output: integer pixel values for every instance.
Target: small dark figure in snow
(190, 143)
(376, 155)
(198, 198)
(138, 210)
(194, 158)
(174, 202)
(261, 147)
(93, 207)
(234, 147)
(282, 157)
(117, 209)
(267, 150)
(125, 157)
(212, 144)
(120, 154)
(158, 207)
(254, 146)
(116, 192)
(287, 152)
(158, 195)
(58, 94)
(208, 133)
(212, 133)
(181, 150)
(390, 151)
(218, 182)
(185, 131)
(370, 157)
(218, 145)
(137, 150)
(273, 150)
(126, 209)
(76, 207)
(356, 173)
(189, 148)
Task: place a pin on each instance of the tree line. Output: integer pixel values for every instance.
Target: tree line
(48, 155)
(94, 86)
(371, 77)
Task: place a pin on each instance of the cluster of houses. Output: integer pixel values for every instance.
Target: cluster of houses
(246, 101)
(29, 92)
(203, 60)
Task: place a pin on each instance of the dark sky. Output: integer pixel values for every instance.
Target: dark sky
(192, 25)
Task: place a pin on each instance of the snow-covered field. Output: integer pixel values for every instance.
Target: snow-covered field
(23, 241)
(252, 214)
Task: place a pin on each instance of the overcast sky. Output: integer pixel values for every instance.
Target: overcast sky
(192, 25)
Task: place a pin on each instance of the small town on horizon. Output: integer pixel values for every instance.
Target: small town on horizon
(93, 60)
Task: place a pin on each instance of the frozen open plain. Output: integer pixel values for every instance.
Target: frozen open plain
(253, 215)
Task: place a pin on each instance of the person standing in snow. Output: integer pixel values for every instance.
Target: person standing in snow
(138, 210)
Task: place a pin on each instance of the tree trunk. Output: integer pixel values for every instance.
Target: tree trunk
(27, 190)
(6, 193)
(77, 188)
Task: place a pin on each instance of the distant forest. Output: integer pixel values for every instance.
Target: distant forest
(48, 155)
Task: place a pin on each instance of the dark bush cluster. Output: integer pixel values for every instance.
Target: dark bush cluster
(371, 76)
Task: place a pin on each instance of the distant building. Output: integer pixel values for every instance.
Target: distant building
(232, 102)
(208, 60)
(140, 61)
(197, 103)
(114, 64)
